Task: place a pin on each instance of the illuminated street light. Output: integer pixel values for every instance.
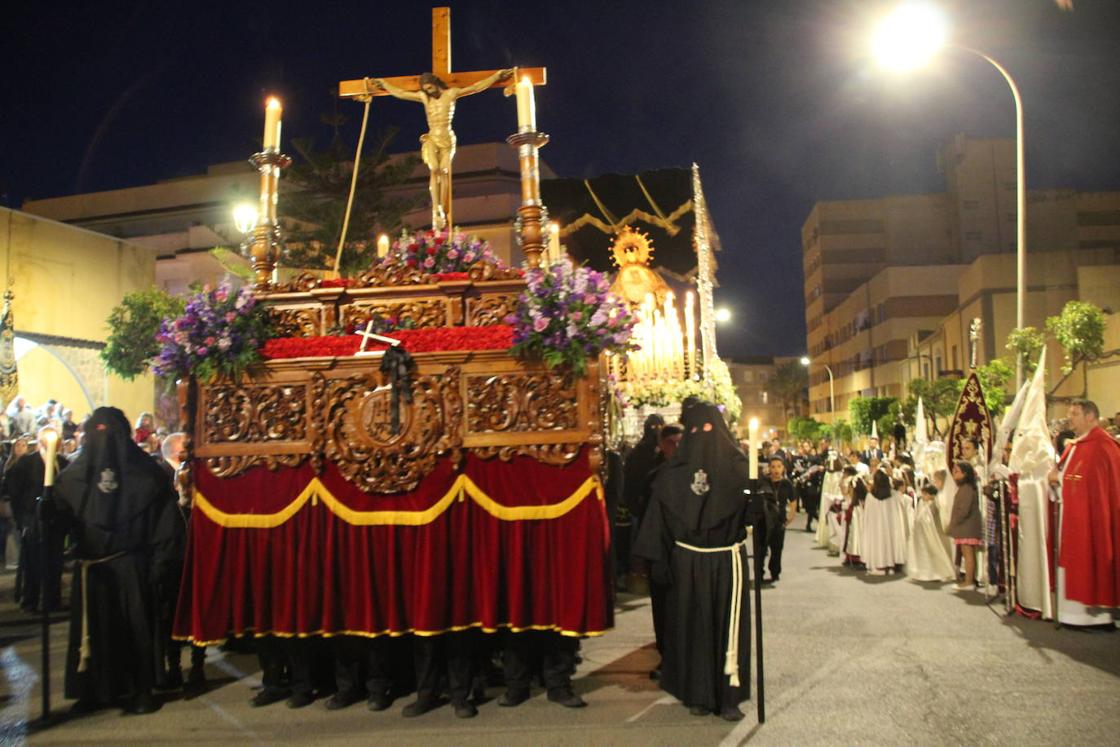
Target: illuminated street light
(805, 361)
(908, 38)
(723, 315)
(245, 217)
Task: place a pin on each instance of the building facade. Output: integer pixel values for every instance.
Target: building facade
(892, 284)
(182, 219)
(753, 379)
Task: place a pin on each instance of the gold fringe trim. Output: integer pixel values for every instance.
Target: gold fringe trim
(395, 633)
(462, 487)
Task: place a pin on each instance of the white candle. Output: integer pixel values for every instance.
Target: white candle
(752, 428)
(272, 112)
(690, 330)
(50, 439)
(553, 242)
(383, 245)
(526, 106)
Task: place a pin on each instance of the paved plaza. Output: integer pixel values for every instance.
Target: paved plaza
(850, 660)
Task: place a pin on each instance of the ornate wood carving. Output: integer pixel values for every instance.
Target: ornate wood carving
(305, 281)
(486, 271)
(555, 454)
(300, 321)
(358, 439)
(422, 312)
(490, 309)
(391, 273)
(521, 402)
(250, 413)
(229, 466)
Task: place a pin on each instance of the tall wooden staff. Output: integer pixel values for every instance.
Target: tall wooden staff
(50, 439)
(757, 521)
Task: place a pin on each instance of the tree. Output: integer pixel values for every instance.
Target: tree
(1026, 344)
(994, 377)
(1079, 329)
(839, 431)
(316, 203)
(939, 400)
(790, 384)
(133, 325)
(865, 410)
(803, 428)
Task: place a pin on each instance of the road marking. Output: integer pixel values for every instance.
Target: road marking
(747, 728)
(663, 700)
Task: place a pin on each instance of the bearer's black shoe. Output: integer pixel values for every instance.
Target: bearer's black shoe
(142, 704)
(464, 709)
(731, 713)
(341, 700)
(300, 700)
(174, 680)
(655, 674)
(419, 707)
(511, 698)
(378, 702)
(195, 685)
(268, 696)
(698, 710)
(565, 697)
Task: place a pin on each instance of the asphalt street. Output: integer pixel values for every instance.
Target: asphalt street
(849, 660)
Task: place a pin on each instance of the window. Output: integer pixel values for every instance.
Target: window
(954, 357)
(764, 397)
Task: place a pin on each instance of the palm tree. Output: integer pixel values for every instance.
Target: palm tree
(790, 384)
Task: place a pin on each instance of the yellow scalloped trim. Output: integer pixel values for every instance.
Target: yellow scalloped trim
(462, 487)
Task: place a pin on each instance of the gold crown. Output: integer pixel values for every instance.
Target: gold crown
(631, 248)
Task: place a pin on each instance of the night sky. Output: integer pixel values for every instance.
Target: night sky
(776, 100)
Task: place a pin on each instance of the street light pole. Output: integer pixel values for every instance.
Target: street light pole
(1020, 204)
(805, 361)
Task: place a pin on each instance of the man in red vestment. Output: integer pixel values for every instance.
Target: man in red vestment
(1090, 530)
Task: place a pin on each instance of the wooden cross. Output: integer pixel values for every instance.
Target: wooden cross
(441, 66)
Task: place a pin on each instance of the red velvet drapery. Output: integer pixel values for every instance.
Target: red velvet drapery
(493, 544)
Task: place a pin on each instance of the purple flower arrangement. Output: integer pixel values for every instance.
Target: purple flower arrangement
(567, 315)
(220, 333)
(438, 252)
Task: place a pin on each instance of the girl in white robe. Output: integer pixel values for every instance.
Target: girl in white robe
(830, 495)
(884, 540)
(930, 556)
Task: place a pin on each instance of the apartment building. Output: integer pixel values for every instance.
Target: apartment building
(881, 275)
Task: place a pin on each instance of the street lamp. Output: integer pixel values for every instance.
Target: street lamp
(723, 315)
(908, 38)
(805, 361)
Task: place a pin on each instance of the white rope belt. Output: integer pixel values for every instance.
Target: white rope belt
(85, 651)
(731, 658)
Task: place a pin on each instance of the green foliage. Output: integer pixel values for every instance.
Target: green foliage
(865, 410)
(939, 399)
(233, 263)
(840, 432)
(320, 181)
(1079, 329)
(803, 428)
(133, 325)
(1026, 344)
(790, 384)
(994, 378)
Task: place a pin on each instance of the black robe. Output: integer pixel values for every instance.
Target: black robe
(121, 509)
(708, 511)
(23, 484)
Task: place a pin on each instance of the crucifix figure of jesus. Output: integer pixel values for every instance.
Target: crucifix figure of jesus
(438, 91)
(437, 146)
